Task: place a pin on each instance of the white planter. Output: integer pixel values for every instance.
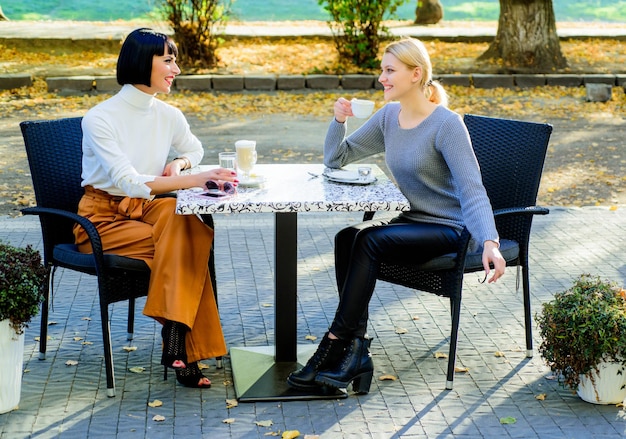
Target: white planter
(608, 385)
(11, 362)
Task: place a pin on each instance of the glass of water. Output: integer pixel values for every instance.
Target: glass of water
(364, 173)
(228, 160)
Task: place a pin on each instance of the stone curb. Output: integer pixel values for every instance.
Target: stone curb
(237, 83)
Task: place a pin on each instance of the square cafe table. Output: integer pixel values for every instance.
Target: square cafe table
(260, 373)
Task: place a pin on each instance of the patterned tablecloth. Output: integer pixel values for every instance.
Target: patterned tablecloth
(298, 188)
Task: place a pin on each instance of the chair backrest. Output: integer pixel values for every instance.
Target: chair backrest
(54, 150)
(511, 154)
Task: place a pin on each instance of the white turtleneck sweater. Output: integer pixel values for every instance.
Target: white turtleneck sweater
(127, 140)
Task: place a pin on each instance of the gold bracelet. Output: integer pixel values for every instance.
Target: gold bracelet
(186, 161)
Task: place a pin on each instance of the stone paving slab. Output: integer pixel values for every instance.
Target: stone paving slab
(70, 401)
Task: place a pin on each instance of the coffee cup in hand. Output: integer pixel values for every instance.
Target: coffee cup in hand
(362, 108)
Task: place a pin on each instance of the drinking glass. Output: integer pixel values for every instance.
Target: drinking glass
(228, 160)
(364, 173)
(246, 156)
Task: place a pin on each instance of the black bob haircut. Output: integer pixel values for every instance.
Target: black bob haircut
(134, 65)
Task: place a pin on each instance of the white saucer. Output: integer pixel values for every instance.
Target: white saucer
(347, 176)
(253, 181)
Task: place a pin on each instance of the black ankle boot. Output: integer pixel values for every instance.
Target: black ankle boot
(327, 355)
(356, 367)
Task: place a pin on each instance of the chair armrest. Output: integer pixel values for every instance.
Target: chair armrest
(90, 229)
(531, 210)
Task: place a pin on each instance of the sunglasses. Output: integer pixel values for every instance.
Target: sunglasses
(219, 189)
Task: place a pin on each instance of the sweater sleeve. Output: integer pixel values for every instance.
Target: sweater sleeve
(185, 143)
(454, 143)
(367, 140)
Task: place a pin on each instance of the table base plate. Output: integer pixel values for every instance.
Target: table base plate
(257, 377)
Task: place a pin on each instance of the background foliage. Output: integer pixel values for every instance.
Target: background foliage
(277, 10)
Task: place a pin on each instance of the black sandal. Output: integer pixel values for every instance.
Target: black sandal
(191, 376)
(174, 350)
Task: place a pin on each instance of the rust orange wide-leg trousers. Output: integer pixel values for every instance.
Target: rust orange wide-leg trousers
(177, 249)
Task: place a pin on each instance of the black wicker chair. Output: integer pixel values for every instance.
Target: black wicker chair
(54, 149)
(511, 155)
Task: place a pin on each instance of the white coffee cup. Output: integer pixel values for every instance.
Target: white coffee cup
(362, 108)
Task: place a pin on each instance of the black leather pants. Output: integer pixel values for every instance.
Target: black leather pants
(359, 251)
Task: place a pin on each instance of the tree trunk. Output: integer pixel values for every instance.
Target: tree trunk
(428, 12)
(526, 40)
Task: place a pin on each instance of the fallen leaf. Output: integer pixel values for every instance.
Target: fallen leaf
(387, 378)
(130, 348)
(266, 305)
(401, 330)
(508, 420)
(87, 342)
(158, 418)
(228, 421)
(228, 382)
(155, 403)
(310, 337)
(203, 366)
(86, 318)
(52, 323)
(290, 434)
(415, 317)
(499, 354)
(137, 369)
(440, 355)
(78, 338)
(71, 363)
(541, 397)
(461, 369)
(266, 423)
(230, 403)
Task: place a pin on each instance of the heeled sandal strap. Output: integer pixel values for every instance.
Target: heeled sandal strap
(191, 376)
(174, 350)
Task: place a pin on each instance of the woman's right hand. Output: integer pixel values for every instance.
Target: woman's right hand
(342, 109)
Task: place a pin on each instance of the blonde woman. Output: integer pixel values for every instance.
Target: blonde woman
(428, 150)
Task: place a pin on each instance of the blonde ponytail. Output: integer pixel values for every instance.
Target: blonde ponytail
(436, 93)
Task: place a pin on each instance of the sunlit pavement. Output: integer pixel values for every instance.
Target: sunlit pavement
(70, 401)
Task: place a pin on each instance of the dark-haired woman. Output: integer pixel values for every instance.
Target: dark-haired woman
(127, 140)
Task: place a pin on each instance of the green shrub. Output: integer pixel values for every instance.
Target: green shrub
(583, 326)
(197, 25)
(357, 28)
(22, 281)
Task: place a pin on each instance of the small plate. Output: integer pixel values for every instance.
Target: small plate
(347, 176)
(253, 181)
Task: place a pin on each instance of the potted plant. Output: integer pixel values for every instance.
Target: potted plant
(22, 278)
(584, 338)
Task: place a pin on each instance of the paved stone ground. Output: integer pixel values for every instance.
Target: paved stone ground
(70, 401)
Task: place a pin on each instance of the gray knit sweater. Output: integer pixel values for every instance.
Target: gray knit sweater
(433, 164)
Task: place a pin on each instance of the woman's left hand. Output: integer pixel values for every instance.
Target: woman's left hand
(492, 255)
